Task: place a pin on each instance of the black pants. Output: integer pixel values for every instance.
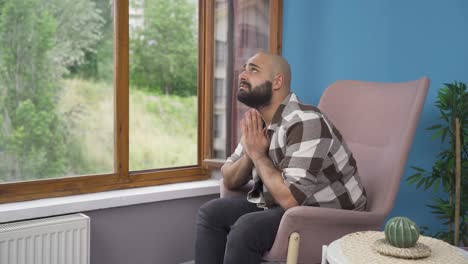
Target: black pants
(234, 231)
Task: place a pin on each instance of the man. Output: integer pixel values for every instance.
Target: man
(294, 155)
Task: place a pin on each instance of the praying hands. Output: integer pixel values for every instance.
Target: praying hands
(254, 137)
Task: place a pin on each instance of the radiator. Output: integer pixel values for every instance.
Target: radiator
(53, 240)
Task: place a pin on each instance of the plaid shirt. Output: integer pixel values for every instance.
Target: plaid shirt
(312, 157)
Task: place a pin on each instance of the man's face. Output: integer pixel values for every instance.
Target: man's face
(255, 87)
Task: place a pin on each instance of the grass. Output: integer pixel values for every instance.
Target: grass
(163, 129)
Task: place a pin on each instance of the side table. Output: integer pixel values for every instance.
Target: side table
(333, 253)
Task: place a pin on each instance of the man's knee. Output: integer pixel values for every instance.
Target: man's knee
(256, 231)
(210, 211)
(243, 232)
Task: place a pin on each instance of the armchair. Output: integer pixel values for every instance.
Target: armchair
(378, 122)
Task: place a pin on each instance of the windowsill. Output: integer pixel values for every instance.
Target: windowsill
(94, 201)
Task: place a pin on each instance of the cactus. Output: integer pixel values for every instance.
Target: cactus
(401, 232)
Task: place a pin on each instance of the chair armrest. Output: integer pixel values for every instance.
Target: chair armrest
(240, 192)
(317, 227)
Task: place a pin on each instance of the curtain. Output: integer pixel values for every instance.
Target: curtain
(250, 34)
(241, 29)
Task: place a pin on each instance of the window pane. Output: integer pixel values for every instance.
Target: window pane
(56, 95)
(163, 83)
(241, 29)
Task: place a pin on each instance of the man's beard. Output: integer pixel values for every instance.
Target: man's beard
(257, 97)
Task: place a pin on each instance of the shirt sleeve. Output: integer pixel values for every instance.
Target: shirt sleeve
(307, 145)
(238, 152)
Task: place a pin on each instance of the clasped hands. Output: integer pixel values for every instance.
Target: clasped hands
(254, 139)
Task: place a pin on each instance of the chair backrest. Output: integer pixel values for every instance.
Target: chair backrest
(378, 122)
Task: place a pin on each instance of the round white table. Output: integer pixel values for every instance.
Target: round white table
(334, 254)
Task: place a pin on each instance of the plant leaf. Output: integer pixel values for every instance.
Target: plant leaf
(434, 127)
(436, 134)
(436, 185)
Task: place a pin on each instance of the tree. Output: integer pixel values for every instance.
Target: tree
(79, 25)
(163, 54)
(98, 62)
(39, 40)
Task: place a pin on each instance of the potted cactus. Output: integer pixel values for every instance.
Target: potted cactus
(451, 168)
(401, 232)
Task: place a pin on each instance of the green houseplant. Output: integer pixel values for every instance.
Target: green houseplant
(450, 170)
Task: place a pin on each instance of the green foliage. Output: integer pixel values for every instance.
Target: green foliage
(98, 59)
(163, 54)
(79, 25)
(163, 129)
(40, 38)
(27, 90)
(171, 138)
(46, 132)
(452, 103)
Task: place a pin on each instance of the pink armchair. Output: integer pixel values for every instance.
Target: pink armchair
(378, 121)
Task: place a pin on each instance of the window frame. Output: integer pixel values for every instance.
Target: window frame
(274, 46)
(122, 178)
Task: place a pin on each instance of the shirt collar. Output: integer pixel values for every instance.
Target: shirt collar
(278, 116)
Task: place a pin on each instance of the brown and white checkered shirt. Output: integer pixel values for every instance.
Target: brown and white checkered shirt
(312, 157)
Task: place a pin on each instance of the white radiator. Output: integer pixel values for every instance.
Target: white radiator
(53, 240)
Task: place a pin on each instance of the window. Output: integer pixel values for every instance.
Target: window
(246, 27)
(219, 91)
(218, 127)
(163, 84)
(101, 90)
(219, 136)
(220, 52)
(56, 87)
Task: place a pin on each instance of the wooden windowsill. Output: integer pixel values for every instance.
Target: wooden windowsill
(94, 201)
(213, 163)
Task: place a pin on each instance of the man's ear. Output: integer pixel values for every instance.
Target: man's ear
(277, 81)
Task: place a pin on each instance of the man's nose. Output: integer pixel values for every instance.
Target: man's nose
(242, 76)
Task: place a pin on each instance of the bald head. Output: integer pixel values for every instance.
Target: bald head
(278, 66)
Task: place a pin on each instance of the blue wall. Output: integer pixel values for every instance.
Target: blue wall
(381, 40)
